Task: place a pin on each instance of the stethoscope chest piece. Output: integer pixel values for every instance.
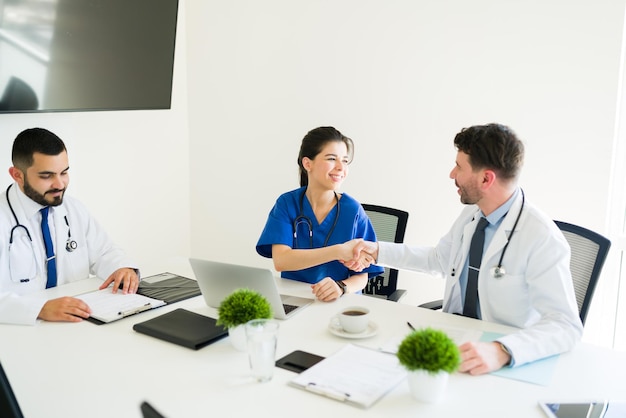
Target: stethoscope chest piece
(498, 272)
(71, 245)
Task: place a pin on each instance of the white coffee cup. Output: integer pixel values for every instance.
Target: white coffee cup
(354, 319)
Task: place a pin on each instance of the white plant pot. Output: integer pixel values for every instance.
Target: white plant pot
(427, 387)
(238, 337)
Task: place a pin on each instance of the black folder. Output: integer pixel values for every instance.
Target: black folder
(183, 327)
(168, 287)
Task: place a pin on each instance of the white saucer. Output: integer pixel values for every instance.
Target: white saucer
(335, 328)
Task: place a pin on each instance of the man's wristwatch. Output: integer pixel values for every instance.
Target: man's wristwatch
(506, 350)
(342, 286)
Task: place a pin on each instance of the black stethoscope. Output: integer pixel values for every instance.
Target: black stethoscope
(499, 271)
(302, 219)
(70, 245)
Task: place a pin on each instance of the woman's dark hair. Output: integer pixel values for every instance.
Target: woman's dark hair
(492, 146)
(313, 143)
(31, 141)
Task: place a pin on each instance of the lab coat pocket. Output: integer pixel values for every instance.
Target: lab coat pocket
(508, 297)
(22, 261)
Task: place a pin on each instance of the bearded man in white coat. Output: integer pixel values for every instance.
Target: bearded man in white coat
(524, 279)
(80, 247)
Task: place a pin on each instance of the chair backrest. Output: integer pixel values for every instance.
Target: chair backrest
(18, 96)
(148, 411)
(9, 407)
(389, 225)
(589, 251)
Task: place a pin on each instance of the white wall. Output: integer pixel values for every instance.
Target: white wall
(400, 77)
(124, 165)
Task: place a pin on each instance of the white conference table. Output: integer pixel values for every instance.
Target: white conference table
(85, 370)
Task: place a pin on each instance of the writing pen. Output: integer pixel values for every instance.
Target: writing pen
(410, 326)
(326, 391)
(135, 310)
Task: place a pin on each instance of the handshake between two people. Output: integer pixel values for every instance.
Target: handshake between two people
(359, 254)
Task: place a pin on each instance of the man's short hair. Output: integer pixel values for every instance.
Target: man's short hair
(33, 140)
(492, 146)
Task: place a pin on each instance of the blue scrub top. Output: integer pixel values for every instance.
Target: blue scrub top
(279, 229)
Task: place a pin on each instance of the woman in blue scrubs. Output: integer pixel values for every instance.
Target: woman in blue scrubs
(307, 227)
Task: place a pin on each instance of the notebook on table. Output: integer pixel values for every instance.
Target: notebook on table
(183, 327)
(218, 280)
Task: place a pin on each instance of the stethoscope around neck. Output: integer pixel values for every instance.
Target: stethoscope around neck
(302, 219)
(70, 245)
(499, 271)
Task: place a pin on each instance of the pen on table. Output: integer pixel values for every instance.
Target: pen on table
(329, 392)
(136, 310)
(410, 326)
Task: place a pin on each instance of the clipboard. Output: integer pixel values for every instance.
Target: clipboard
(356, 375)
(153, 292)
(107, 306)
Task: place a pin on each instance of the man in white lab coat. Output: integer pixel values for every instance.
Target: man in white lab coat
(524, 278)
(80, 246)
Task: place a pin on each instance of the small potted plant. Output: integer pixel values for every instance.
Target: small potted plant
(430, 356)
(238, 308)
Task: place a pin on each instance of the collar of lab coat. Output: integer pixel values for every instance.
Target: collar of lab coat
(503, 233)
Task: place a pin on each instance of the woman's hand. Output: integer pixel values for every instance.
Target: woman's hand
(326, 290)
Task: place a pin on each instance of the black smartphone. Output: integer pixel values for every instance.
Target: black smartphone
(298, 361)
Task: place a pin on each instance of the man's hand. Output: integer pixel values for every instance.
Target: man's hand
(65, 309)
(480, 357)
(363, 254)
(126, 276)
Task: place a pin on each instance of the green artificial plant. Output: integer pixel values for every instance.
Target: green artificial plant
(242, 306)
(430, 350)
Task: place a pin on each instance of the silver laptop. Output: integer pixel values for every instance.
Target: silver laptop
(218, 280)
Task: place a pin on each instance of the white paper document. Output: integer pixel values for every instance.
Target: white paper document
(355, 375)
(107, 306)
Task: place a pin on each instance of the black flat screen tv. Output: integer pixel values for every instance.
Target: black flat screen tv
(82, 55)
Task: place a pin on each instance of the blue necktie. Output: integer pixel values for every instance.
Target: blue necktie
(470, 307)
(51, 261)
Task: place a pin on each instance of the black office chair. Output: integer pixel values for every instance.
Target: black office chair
(9, 408)
(148, 411)
(18, 96)
(389, 225)
(589, 252)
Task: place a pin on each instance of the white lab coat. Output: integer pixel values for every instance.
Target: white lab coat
(536, 294)
(95, 255)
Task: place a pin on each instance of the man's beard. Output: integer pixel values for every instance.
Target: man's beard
(469, 195)
(40, 198)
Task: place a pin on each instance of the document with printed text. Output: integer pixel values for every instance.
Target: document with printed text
(355, 374)
(107, 306)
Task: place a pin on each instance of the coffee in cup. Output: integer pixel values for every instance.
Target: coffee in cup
(354, 319)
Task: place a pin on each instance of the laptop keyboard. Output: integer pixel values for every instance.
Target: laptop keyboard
(289, 308)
